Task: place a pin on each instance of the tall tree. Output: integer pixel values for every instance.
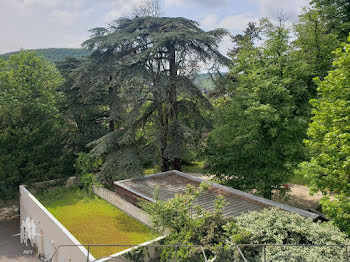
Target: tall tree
(313, 46)
(147, 64)
(328, 142)
(336, 14)
(86, 114)
(262, 121)
(34, 139)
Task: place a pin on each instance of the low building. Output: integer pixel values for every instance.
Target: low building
(175, 182)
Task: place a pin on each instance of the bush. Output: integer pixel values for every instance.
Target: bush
(273, 226)
(189, 224)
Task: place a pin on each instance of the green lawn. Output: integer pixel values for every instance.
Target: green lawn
(299, 180)
(94, 221)
(195, 167)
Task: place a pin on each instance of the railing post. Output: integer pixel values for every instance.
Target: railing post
(87, 258)
(264, 253)
(176, 254)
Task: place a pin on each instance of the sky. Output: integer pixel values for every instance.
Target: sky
(32, 24)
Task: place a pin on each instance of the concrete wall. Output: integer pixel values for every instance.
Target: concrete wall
(51, 233)
(128, 195)
(123, 205)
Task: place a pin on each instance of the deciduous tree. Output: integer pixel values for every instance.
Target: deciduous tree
(34, 139)
(262, 121)
(328, 140)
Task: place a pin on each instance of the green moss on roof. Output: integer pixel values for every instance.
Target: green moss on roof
(92, 220)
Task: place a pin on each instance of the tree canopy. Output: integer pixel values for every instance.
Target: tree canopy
(143, 79)
(33, 138)
(328, 140)
(262, 121)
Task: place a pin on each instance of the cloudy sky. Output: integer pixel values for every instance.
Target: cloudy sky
(31, 24)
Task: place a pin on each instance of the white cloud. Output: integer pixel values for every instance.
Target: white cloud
(41, 2)
(273, 8)
(34, 24)
(233, 23)
(63, 23)
(62, 17)
(203, 3)
(120, 8)
(236, 23)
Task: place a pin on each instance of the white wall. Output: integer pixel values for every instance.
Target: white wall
(52, 232)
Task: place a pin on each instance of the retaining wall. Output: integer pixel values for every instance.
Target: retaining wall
(50, 233)
(123, 205)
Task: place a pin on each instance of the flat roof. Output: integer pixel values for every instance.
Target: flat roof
(175, 182)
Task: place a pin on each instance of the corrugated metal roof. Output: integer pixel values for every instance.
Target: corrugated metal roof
(173, 182)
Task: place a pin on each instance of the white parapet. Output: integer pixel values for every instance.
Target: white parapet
(49, 233)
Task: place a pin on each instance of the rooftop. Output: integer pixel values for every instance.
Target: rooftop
(173, 182)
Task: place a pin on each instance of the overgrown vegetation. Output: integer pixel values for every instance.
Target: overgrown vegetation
(273, 226)
(190, 224)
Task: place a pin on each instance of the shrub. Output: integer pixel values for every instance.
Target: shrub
(273, 226)
(189, 224)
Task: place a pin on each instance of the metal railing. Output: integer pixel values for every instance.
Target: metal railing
(237, 247)
(135, 246)
(301, 259)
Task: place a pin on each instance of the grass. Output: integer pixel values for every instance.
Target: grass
(194, 167)
(298, 179)
(94, 221)
(151, 170)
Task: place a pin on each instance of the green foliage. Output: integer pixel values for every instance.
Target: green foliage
(261, 122)
(54, 55)
(34, 139)
(136, 255)
(273, 226)
(336, 14)
(190, 224)
(313, 46)
(339, 210)
(25, 77)
(86, 167)
(328, 142)
(86, 114)
(142, 89)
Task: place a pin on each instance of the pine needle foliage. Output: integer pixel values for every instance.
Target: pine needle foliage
(141, 72)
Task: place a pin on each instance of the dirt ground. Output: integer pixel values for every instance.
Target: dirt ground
(299, 195)
(11, 250)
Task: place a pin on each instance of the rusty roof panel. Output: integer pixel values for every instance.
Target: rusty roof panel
(175, 182)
